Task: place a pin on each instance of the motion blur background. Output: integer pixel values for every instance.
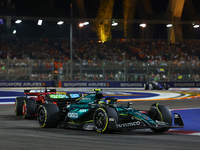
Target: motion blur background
(112, 40)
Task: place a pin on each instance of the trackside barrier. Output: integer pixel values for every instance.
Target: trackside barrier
(27, 83)
(103, 84)
(183, 84)
(118, 84)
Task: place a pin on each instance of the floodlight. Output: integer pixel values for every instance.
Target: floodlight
(169, 25)
(196, 26)
(81, 25)
(114, 24)
(85, 23)
(14, 31)
(39, 22)
(18, 21)
(143, 25)
(60, 22)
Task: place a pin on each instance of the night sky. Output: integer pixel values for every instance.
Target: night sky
(61, 8)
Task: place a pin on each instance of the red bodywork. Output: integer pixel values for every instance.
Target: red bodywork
(39, 97)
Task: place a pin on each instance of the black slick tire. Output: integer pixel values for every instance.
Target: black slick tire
(29, 108)
(160, 113)
(166, 86)
(18, 105)
(101, 119)
(146, 86)
(48, 116)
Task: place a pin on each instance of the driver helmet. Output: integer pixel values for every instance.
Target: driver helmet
(103, 102)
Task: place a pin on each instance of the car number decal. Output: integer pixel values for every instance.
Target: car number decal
(72, 115)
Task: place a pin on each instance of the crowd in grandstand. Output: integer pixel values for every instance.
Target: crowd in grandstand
(93, 52)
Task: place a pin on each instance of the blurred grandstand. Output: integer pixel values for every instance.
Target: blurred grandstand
(128, 48)
(117, 60)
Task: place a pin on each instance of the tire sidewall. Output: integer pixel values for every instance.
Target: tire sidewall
(167, 87)
(19, 105)
(109, 112)
(24, 109)
(102, 110)
(51, 115)
(146, 86)
(30, 108)
(45, 118)
(163, 114)
(166, 114)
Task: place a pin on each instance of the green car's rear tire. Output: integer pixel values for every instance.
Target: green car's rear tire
(101, 119)
(29, 108)
(18, 105)
(160, 113)
(48, 115)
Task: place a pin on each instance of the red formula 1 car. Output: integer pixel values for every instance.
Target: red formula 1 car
(27, 106)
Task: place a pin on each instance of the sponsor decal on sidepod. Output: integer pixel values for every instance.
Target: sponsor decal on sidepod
(130, 124)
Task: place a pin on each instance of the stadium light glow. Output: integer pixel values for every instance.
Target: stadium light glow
(196, 26)
(14, 31)
(18, 21)
(114, 24)
(39, 22)
(169, 25)
(81, 25)
(85, 23)
(60, 22)
(143, 25)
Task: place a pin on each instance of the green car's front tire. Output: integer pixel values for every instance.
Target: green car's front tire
(160, 113)
(101, 119)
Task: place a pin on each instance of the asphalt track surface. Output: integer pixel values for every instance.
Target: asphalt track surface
(17, 133)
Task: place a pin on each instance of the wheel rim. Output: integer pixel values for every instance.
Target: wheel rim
(100, 120)
(24, 109)
(41, 117)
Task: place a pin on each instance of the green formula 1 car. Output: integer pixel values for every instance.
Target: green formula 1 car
(95, 112)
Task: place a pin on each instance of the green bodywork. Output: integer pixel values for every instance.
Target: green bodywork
(83, 110)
